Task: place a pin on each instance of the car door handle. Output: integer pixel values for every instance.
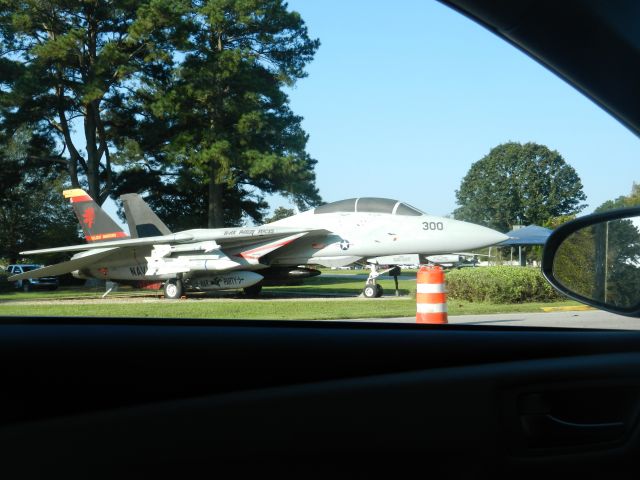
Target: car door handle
(546, 430)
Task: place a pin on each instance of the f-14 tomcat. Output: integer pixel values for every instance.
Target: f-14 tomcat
(278, 253)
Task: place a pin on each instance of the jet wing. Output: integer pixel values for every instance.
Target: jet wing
(64, 267)
(135, 242)
(223, 236)
(257, 250)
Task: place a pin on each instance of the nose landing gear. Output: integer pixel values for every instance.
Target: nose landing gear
(372, 289)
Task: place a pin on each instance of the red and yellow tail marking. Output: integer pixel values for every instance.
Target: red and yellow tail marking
(77, 195)
(91, 217)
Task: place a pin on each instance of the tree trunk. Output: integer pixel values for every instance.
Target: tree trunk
(215, 211)
(91, 112)
(93, 162)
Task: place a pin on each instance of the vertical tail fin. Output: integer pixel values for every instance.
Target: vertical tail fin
(141, 219)
(96, 224)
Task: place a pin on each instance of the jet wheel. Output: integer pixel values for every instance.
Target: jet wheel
(370, 291)
(173, 289)
(379, 290)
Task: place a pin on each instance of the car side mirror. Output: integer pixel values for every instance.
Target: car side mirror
(595, 259)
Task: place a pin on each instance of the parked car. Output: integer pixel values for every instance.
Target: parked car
(49, 283)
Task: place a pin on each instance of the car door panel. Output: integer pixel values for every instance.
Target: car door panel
(147, 396)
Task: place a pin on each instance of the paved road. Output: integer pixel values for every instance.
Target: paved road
(567, 319)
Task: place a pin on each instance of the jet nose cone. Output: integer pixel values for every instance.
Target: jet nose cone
(470, 235)
(489, 236)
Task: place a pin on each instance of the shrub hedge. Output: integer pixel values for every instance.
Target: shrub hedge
(500, 284)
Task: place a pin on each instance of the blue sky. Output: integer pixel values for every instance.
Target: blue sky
(402, 97)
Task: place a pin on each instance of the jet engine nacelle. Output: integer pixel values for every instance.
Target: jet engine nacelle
(225, 281)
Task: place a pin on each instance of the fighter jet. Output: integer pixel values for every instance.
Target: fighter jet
(277, 253)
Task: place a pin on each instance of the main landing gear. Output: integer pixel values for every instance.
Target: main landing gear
(173, 289)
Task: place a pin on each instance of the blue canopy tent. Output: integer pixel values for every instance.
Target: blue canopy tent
(529, 235)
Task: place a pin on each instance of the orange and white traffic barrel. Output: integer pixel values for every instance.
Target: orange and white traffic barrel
(431, 297)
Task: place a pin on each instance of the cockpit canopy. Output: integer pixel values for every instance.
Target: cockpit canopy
(369, 205)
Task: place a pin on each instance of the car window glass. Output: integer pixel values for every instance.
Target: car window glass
(392, 121)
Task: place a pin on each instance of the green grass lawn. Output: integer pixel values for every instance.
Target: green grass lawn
(347, 286)
(276, 303)
(265, 309)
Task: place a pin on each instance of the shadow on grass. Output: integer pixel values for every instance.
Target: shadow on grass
(319, 286)
(316, 287)
(66, 293)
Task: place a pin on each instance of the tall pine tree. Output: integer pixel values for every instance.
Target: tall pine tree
(63, 63)
(224, 126)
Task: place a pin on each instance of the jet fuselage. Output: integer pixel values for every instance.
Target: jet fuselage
(333, 235)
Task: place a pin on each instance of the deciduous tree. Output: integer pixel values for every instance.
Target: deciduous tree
(631, 200)
(280, 213)
(519, 184)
